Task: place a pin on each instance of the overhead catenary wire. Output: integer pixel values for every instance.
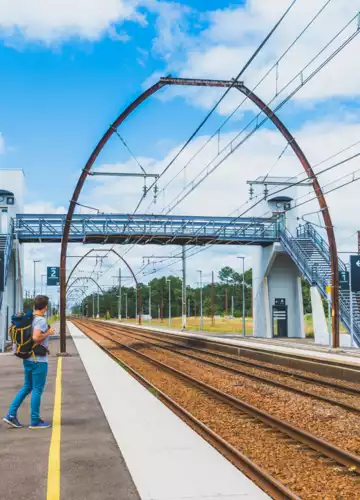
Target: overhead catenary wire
(275, 65)
(295, 206)
(235, 80)
(279, 106)
(340, 48)
(230, 148)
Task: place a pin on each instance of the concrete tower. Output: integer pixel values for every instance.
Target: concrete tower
(12, 184)
(277, 294)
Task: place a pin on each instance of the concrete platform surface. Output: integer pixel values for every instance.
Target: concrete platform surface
(313, 352)
(166, 458)
(92, 467)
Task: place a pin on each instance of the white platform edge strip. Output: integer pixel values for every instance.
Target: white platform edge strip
(306, 353)
(166, 459)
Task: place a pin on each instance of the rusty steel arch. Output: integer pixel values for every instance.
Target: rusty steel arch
(85, 278)
(126, 264)
(281, 128)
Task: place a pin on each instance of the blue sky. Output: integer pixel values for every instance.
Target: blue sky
(69, 68)
(57, 101)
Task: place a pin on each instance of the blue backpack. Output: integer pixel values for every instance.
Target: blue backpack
(21, 333)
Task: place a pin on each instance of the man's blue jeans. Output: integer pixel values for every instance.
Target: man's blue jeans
(34, 381)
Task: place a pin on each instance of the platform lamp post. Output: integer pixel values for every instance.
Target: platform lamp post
(149, 286)
(243, 295)
(42, 288)
(201, 300)
(126, 308)
(169, 281)
(35, 262)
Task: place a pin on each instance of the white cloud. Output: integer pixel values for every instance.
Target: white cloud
(2, 144)
(221, 49)
(52, 21)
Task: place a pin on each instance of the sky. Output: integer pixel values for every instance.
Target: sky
(69, 68)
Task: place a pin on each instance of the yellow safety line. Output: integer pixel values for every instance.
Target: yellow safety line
(53, 482)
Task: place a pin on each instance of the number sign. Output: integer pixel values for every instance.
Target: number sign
(53, 276)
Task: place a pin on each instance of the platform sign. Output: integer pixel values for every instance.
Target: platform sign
(344, 280)
(355, 273)
(53, 276)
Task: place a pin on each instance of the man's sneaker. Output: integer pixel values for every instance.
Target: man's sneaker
(13, 421)
(40, 425)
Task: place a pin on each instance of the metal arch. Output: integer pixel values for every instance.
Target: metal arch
(88, 278)
(126, 264)
(322, 202)
(85, 172)
(282, 129)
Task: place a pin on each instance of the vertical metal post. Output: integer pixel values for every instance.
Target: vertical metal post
(201, 301)
(183, 288)
(189, 313)
(136, 305)
(98, 305)
(351, 310)
(93, 308)
(232, 306)
(119, 298)
(329, 315)
(35, 262)
(212, 300)
(226, 302)
(149, 303)
(169, 281)
(243, 297)
(126, 306)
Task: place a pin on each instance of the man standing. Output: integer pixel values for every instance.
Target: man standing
(35, 370)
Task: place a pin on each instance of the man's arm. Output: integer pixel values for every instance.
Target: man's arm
(39, 336)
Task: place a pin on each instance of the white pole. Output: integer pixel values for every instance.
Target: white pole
(149, 303)
(169, 302)
(119, 303)
(351, 310)
(232, 306)
(329, 316)
(183, 298)
(201, 301)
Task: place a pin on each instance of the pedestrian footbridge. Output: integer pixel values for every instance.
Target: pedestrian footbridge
(307, 249)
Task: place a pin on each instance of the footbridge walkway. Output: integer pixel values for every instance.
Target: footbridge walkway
(309, 251)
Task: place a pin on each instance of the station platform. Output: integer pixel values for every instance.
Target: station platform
(111, 438)
(300, 348)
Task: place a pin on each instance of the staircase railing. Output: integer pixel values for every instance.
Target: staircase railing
(302, 261)
(319, 275)
(8, 246)
(308, 231)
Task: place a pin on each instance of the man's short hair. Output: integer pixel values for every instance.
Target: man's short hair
(40, 302)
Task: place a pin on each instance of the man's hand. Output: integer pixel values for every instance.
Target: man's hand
(51, 331)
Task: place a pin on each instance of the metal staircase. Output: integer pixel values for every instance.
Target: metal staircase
(311, 253)
(6, 246)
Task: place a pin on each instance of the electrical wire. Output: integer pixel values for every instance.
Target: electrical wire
(192, 185)
(246, 98)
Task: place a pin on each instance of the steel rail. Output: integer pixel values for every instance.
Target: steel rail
(236, 371)
(332, 451)
(256, 473)
(325, 383)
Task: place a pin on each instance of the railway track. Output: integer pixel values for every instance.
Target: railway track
(179, 348)
(335, 469)
(292, 374)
